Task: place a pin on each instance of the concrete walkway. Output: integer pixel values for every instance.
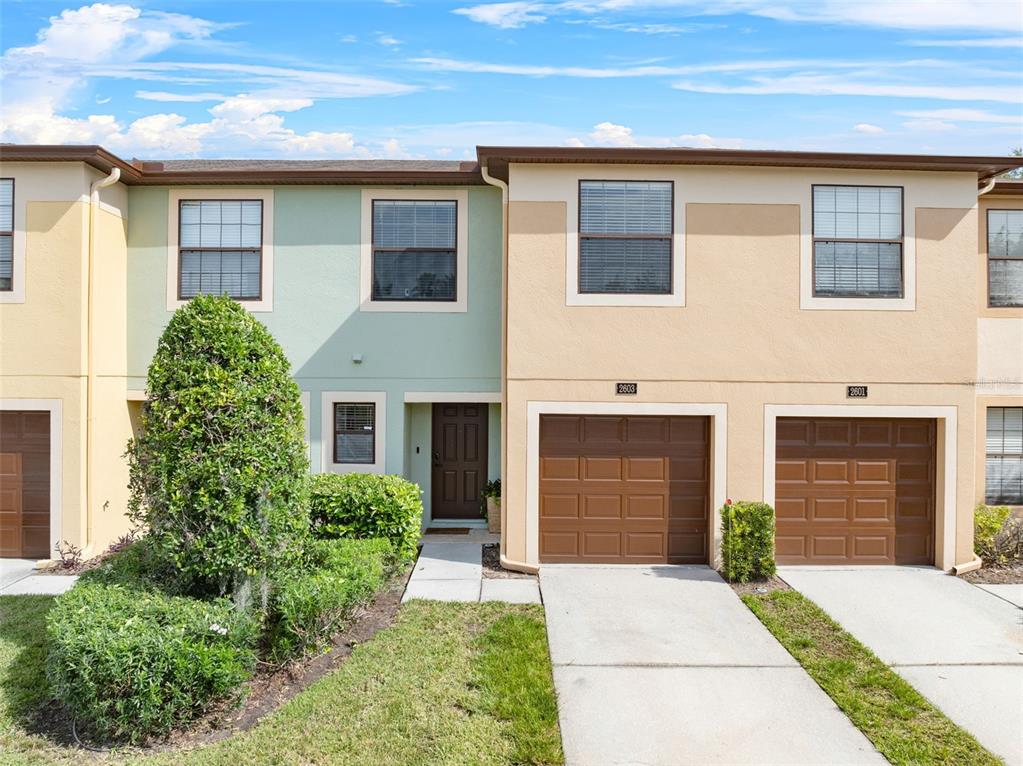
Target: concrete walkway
(453, 571)
(18, 577)
(664, 666)
(959, 645)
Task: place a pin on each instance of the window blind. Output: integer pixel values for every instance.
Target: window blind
(6, 234)
(857, 247)
(354, 433)
(1005, 257)
(220, 245)
(625, 232)
(415, 250)
(1004, 448)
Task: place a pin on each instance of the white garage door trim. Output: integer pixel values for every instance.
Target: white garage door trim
(718, 414)
(947, 414)
(56, 408)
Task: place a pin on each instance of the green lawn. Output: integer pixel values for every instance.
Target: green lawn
(446, 684)
(904, 727)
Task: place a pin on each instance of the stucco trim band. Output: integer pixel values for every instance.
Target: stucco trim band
(949, 416)
(718, 413)
(56, 409)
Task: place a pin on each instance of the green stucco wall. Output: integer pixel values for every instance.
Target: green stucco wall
(316, 315)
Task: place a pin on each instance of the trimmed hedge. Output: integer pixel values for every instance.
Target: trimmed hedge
(138, 566)
(367, 506)
(217, 473)
(308, 607)
(133, 664)
(747, 545)
(997, 534)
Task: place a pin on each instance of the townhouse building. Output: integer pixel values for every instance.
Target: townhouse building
(627, 337)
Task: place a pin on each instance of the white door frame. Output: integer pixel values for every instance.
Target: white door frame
(718, 413)
(947, 414)
(56, 409)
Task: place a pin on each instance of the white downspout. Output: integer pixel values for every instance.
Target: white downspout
(507, 563)
(988, 186)
(90, 373)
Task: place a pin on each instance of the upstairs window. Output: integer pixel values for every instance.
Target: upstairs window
(6, 235)
(354, 433)
(625, 237)
(220, 245)
(857, 241)
(1005, 257)
(1004, 463)
(415, 250)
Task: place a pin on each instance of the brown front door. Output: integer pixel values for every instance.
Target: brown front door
(855, 491)
(459, 460)
(24, 484)
(624, 490)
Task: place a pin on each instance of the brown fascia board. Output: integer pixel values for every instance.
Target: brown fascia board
(1007, 188)
(144, 173)
(497, 159)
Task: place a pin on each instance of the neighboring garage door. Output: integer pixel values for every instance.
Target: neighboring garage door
(624, 490)
(855, 491)
(25, 484)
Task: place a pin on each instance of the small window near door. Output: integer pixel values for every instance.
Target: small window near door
(1004, 464)
(625, 237)
(6, 234)
(415, 250)
(857, 241)
(1005, 258)
(354, 433)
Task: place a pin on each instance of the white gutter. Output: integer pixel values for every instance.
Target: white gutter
(987, 187)
(90, 374)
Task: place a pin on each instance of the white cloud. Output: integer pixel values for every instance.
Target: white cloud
(349, 39)
(388, 40)
(929, 126)
(866, 127)
(512, 15)
(160, 95)
(997, 15)
(614, 135)
(980, 42)
(965, 115)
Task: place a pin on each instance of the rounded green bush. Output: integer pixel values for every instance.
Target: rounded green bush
(218, 472)
(367, 505)
(747, 542)
(133, 664)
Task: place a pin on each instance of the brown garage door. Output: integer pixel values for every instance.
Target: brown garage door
(855, 491)
(25, 484)
(624, 490)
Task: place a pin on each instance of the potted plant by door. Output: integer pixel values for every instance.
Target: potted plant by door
(491, 505)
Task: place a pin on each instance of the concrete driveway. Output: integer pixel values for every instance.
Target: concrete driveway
(960, 646)
(665, 666)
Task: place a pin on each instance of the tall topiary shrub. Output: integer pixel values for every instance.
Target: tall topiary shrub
(747, 544)
(218, 471)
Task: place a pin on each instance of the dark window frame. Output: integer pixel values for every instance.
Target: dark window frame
(336, 433)
(670, 237)
(987, 252)
(262, 222)
(374, 250)
(10, 234)
(987, 455)
(901, 242)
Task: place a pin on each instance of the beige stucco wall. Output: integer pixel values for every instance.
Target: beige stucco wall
(43, 342)
(741, 339)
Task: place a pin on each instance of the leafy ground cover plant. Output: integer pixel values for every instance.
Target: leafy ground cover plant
(747, 545)
(997, 534)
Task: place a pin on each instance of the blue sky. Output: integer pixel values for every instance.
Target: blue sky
(425, 78)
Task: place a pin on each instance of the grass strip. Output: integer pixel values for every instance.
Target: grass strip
(902, 724)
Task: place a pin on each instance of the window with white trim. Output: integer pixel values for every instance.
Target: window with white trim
(354, 433)
(625, 237)
(857, 241)
(1004, 449)
(1005, 258)
(220, 248)
(415, 254)
(6, 234)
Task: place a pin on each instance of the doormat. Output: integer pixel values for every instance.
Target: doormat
(447, 531)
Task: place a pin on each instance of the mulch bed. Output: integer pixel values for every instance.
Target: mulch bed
(1011, 574)
(492, 569)
(270, 688)
(759, 587)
